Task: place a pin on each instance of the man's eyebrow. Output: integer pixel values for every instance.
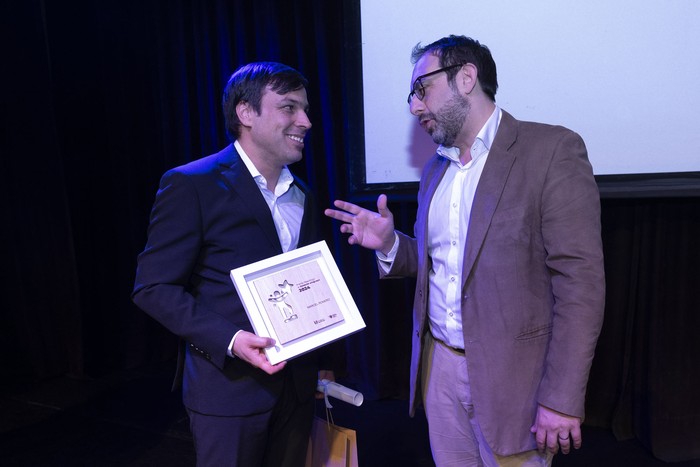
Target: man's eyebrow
(297, 102)
(287, 99)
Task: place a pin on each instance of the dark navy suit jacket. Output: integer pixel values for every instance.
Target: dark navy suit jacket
(209, 217)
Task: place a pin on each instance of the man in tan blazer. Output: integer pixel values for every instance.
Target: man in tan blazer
(508, 263)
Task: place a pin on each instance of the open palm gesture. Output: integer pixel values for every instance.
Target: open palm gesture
(373, 230)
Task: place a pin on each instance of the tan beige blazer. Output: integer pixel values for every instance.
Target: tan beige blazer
(533, 291)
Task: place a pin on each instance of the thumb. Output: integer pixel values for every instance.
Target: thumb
(266, 342)
(382, 209)
(260, 342)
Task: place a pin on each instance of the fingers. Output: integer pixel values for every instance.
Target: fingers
(569, 439)
(251, 341)
(548, 441)
(564, 442)
(555, 431)
(345, 206)
(576, 437)
(347, 229)
(553, 441)
(345, 212)
(540, 438)
(272, 369)
(337, 215)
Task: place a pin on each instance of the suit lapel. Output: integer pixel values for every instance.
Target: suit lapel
(308, 232)
(489, 190)
(434, 173)
(238, 178)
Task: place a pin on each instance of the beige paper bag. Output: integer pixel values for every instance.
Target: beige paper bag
(331, 445)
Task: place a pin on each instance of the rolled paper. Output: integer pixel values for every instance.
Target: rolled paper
(345, 394)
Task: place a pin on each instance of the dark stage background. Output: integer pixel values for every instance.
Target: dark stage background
(100, 97)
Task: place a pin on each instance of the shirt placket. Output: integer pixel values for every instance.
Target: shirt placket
(452, 320)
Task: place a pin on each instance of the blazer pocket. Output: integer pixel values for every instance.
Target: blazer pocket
(535, 333)
(517, 214)
(513, 226)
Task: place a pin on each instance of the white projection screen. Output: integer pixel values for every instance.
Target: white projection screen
(623, 74)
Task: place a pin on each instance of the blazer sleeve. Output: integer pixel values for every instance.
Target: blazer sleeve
(571, 234)
(163, 287)
(406, 262)
(411, 252)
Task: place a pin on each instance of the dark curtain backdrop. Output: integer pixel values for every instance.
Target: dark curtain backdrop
(100, 97)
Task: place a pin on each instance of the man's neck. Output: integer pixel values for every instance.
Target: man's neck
(479, 114)
(271, 173)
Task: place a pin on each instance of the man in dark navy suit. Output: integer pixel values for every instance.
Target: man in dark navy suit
(212, 215)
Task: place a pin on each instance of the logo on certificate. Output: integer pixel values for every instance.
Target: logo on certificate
(298, 301)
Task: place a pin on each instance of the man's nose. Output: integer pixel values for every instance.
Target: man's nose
(416, 106)
(303, 120)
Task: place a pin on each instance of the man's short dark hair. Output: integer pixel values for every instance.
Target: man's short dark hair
(455, 50)
(248, 83)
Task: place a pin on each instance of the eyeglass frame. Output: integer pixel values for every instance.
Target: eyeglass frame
(419, 82)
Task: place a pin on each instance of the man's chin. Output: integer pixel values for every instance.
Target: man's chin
(434, 133)
(438, 138)
(295, 157)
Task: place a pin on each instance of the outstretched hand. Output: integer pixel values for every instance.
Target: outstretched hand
(251, 348)
(373, 230)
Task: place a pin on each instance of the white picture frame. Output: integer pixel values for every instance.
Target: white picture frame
(299, 299)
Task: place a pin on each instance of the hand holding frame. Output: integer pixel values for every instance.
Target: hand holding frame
(251, 348)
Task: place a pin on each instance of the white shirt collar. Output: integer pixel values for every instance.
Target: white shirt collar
(283, 183)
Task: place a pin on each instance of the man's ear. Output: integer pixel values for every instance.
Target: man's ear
(244, 111)
(467, 78)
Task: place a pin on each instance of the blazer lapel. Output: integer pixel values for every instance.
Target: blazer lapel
(433, 175)
(489, 190)
(238, 178)
(308, 232)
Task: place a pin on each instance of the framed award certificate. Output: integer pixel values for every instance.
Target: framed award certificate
(299, 299)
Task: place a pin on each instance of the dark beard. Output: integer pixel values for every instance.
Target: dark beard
(450, 119)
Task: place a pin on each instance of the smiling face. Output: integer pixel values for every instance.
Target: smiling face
(274, 137)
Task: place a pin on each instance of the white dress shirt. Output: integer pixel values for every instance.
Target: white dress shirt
(286, 204)
(447, 234)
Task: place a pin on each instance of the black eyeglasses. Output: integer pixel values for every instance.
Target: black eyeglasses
(418, 89)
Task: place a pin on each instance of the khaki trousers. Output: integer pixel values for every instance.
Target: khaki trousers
(455, 435)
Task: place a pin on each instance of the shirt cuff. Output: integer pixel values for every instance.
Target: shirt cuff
(229, 351)
(386, 260)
